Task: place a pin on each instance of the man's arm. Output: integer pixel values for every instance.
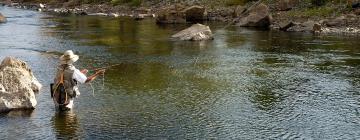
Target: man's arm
(92, 77)
(81, 77)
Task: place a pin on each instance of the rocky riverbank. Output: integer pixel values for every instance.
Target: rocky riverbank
(282, 15)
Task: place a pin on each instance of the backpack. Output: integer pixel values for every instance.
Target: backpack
(59, 93)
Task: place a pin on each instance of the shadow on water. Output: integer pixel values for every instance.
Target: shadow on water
(66, 125)
(17, 113)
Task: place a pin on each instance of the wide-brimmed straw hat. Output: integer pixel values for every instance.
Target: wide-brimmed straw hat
(69, 57)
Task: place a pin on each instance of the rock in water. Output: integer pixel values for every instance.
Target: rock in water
(194, 33)
(2, 18)
(18, 85)
(258, 17)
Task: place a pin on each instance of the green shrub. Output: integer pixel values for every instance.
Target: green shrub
(319, 2)
(116, 2)
(136, 2)
(314, 12)
(130, 2)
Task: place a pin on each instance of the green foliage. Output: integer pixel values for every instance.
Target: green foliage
(314, 12)
(130, 2)
(319, 2)
(116, 2)
(135, 2)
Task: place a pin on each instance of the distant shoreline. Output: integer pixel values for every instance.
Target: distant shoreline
(328, 19)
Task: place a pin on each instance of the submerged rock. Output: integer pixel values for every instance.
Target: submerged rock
(258, 17)
(18, 85)
(2, 18)
(194, 33)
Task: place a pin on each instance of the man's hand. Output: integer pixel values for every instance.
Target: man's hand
(92, 77)
(100, 71)
(84, 71)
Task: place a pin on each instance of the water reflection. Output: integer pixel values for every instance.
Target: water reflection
(18, 113)
(66, 125)
(245, 84)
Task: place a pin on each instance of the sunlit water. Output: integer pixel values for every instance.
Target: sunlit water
(245, 84)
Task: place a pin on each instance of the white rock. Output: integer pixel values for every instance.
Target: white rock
(18, 85)
(194, 33)
(42, 5)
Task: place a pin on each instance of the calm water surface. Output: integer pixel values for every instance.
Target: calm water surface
(245, 84)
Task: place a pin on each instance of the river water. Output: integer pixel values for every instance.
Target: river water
(245, 84)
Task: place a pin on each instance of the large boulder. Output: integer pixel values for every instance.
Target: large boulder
(357, 11)
(171, 15)
(285, 5)
(284, 26)
(337, 22)
(195, 13)
(239, 10)
(17, 85)
(180, 14)
(258, 17)
(196, 32)
(2, 18)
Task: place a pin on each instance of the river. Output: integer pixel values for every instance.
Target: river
(245, 84)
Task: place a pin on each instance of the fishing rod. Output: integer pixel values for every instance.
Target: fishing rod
(106, 67)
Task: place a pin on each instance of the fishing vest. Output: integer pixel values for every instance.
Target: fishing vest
(69, 83)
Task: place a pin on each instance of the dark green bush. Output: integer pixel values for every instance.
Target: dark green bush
(319, 2)
(130, 2)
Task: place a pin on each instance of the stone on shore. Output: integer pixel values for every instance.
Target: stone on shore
(196, 32)
(285, 5)
(180, 14)
(357, 11)
(239, 10)
(286, 25)
(195, 13)
(171, 15)
(61, 11)
(258, 17)
(337, 22)
(18, 85)
(2, 18)
(307, 26)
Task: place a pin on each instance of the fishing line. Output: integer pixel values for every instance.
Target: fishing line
(93, 90)
(103, 81)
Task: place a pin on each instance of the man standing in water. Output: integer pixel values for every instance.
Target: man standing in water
(67, 77)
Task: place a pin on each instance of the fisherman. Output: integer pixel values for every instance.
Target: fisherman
(65, 88)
